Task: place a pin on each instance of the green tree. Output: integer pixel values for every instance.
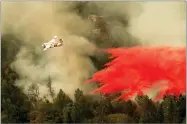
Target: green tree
(15, 104)
(33, 94)
(62, 100)
(50, 113)
(104, 108)
(170, 109)
(124, 107)
(67, 114)
(117, 118)
(51, 90)
(160, 113)
(83, 106)
(147, 109)
(181, 103)
(60, 104)
(78, 95)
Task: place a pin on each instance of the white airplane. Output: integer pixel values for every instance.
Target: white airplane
(52, 43)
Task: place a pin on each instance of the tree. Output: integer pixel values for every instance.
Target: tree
(82, 106)
(51, 90)
(62, 100)
(67, 114)
(50, 113)
(78, 95)
(124, 107)
(15, 104)
(117, 118)
(170, 109)
(147, 109)
(104, 108)
(181, 103)
(33, 94)
(160, 113)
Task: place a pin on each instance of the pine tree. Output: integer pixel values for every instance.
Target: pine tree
(170, 109)
(51, 90)
(62, 100)
(82, 106)
(148, 111)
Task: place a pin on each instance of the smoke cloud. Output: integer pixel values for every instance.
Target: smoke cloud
(146, 23)
(160, 23)
(37, 22)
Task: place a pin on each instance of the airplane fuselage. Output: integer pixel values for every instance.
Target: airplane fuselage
(51, 45)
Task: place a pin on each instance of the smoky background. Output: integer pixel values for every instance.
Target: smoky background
(27, 25)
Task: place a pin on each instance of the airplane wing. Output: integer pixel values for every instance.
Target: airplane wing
(53, 40)
(47, 46)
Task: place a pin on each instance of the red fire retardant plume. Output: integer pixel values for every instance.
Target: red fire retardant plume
(135, 69)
